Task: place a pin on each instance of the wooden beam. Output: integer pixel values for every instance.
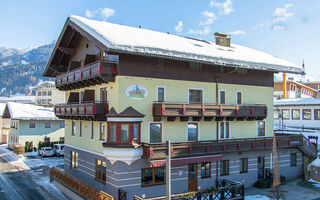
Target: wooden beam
(67, 50)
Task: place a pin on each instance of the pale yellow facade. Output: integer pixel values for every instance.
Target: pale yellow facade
(175, 90)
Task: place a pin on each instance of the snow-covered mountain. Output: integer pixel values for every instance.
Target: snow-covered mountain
(21, 69)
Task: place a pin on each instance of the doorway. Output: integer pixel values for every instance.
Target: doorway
(261, 167)
(193, 177)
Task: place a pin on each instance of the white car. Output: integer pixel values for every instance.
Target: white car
(59, 149)
(46, 151)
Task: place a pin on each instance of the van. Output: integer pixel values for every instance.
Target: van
(59, 149)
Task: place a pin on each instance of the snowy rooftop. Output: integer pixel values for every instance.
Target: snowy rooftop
(42, 84)
(19, 98)
(121, 38)
(30, 112)
(297, 102)
(2, 107)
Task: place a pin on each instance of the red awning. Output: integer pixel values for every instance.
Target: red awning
(186, 160)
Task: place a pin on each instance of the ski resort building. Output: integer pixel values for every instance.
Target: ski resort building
(47, 94)
(30, 123)
(129, 90)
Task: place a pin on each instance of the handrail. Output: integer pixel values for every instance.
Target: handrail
(82, 103)
(203, 103)
(80, 68)
(78, 186)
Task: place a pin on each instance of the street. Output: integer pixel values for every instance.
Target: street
(15, 185)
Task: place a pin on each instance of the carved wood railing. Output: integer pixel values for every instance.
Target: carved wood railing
(78, 186)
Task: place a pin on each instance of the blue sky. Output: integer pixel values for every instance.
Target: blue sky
(287, 29)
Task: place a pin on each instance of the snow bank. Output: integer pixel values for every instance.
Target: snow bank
(257, 197)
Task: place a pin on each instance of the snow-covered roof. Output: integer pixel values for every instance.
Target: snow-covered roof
(2, 107)
(20, 111)
(22, 99)
(127, 39)
(43, 84)
(297, 102)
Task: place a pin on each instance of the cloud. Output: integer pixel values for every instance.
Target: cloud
(237, 32)
(225, 8)
(105, 13)
(281, 15)
(179, 27)
(206, 30)
(210, 17)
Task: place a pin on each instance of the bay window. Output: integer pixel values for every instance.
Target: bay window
(123, 132)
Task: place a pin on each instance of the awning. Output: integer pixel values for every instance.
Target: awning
(186, 160)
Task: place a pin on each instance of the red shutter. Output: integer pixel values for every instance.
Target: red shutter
(130, 132)
(118, 128)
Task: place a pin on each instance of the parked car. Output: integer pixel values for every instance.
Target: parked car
(46, 151)
(59, 149)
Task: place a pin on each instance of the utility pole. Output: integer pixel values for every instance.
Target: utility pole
(168, 170)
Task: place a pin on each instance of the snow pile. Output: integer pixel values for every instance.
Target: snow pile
(30, 112)
(314, 183)
(147, 42)
(257, 197)
(31, 154)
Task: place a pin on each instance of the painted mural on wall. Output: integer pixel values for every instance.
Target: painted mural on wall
(137, 92)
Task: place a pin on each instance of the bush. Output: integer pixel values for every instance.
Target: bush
(28, 146)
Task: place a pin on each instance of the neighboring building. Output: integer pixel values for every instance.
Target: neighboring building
(19, 99)
(313, 84)
(294, 90)
(47, 94)
(128, 90)
(4, 125)
(30, 123)
(297, 113)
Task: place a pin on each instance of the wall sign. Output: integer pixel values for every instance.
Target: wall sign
(137, 92)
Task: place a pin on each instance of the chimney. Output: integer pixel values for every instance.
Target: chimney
(222, 39)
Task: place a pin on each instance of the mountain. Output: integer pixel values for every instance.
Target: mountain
(21, 69)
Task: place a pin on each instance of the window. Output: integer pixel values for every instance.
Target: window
(243, 165)
(136, 131)
(39, 93)
(192, 132)
(112, 133)
(206, 170)
(155, 133)
(62, 125)
(101, 167)
(102, 131)
(242, 71)
(195, 96)
(49, 93)
(152, 176)
(73, 128)
(295, 114)
(261, 128)
(47, 125)
(239, 97)
(285, 114)
(44, 93)
(224, 130)
(61, 139)
(32, 124)
(74, 159)
(80, 129)
(317, 113)
(124, 136)
(161, 61)
(92, 130)
(224, 167)
(222, 97)
(47, 139)
(195, 66)
(276, 114)
(104, 94)
(160, 94)
(293, 159)
(306, 114)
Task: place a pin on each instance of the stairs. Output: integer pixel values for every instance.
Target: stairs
(308, 148)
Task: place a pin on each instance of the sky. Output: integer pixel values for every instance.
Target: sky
(287, 29)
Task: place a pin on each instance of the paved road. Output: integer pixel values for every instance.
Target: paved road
(14, 185)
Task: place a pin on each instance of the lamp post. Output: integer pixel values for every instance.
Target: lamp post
(168, 170)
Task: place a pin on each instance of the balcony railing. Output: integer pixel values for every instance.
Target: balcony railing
(85, 110)
(91, 74)
(156, 151)
(208, 111)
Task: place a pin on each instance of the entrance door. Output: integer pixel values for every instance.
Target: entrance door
(192, 177)
(261, 171)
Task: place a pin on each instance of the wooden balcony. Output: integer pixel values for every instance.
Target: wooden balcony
(156, 151)
(84, 111)
(91, 74)
(208, 112)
